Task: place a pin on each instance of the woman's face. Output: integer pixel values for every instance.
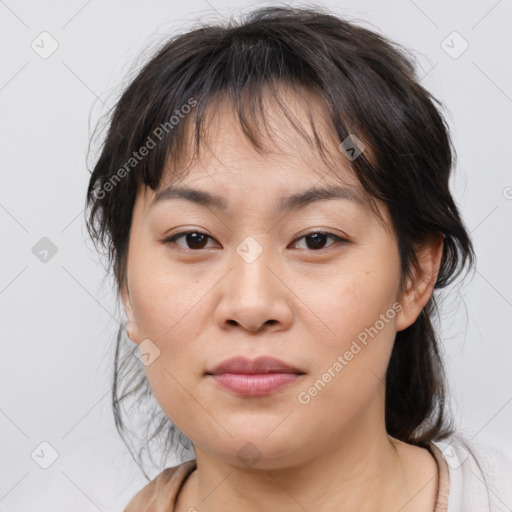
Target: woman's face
(256, 284)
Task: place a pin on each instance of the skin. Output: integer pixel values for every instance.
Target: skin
(302, 305)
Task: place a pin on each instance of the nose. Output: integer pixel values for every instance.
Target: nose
(254, 295)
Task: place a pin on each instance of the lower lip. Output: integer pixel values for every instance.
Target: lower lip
(255, 384)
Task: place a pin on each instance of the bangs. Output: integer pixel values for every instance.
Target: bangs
(255, 110)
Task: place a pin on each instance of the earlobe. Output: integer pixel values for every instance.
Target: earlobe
(131, 325)
(420, 289)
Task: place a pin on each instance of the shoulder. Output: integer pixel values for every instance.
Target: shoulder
(479, 476)
(161, 493)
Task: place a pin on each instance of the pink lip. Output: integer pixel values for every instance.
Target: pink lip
(262, 364)
(259, 376)
(254, 384)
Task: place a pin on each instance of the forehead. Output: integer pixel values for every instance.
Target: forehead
(290, 123)
(299, 156)
(289, 141)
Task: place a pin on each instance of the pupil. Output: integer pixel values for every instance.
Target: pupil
(316, 242)
(195, 238)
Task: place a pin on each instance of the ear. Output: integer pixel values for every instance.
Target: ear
(419, 290)
(131, 328)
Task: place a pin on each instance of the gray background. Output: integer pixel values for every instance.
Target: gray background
(57, 315)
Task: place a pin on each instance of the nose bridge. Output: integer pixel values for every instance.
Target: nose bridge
(250, 260)
(251, 295)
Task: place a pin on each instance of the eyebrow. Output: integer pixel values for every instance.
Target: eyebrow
(292, 202)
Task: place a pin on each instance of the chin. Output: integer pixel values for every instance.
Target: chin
(260, 453)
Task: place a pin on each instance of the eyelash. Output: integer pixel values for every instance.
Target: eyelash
(338, 239)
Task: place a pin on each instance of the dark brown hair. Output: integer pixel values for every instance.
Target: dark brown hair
(370, 89)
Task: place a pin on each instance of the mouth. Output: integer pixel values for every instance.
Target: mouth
(257, 377)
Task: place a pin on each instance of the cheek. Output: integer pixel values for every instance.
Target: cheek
(358, 310)
(355, 298)
(164, 297)
(170, 317)
(352, 360)
(166, 308)
(166, 312)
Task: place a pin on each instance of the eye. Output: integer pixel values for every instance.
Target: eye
(316, 239)
(196, 240)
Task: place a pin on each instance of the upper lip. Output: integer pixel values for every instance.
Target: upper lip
(262, 364)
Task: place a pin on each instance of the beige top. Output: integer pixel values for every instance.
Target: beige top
(161, 494)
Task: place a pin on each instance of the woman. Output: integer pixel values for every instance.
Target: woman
(274, 198)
